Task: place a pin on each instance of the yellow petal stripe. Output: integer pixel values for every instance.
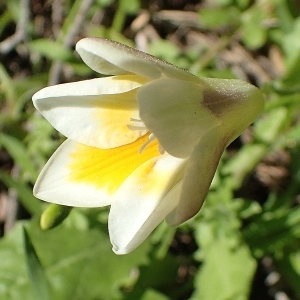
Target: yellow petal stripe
(108, 168)
(158, 176)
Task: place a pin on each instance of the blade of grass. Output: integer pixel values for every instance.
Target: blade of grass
(36, 271)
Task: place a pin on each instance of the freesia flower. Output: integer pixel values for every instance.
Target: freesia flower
(146, 140)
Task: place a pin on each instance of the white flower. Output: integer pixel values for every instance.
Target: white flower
(146, 141)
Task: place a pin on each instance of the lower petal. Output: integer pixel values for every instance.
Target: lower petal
(84, 176)
(200, 170)
(143, 201)
(54, 184)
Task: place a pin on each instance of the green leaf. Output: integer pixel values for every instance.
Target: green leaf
(289, 267)
(80, 263)
(266, 133)
(104, 3)
(50, 49)
(285, 16)
(223, 3)
(36, 272)
(14, 281)
(153, 295)
(273, 232)
(18, 152)
(225, 257)
(165, 50)
(231, 267)
(13, 7)
(5, 18)
(129, 6)
(216, 17)
(254, 33)
(159, 274)
(7, 86)
(291, 44)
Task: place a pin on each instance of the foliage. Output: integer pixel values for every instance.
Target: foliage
(249, 226)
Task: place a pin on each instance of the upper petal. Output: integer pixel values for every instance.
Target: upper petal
(109, 57)
(94, 112)
(199, 173)
(174, 111)
(142, 202)
(80, 175)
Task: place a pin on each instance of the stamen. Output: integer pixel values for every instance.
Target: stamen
(136, 120)
(161, 149)
(151, 139)
(135, 127)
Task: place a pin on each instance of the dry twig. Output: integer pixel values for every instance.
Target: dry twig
(56, 68)
(11, 42)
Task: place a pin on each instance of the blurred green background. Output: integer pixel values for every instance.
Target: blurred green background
(245, 242)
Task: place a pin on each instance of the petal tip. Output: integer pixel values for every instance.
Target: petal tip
(82, 43)
(119, 251)
(36, 190)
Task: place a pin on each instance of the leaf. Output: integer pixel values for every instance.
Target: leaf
(266, 132)
(232, 268)
(13, 7)
(153, 295)
(18, 152)
(105, 3)
(5, 18)
(161, 275)
(274, 231)
(165, 50)
(129, 6)
(254, 33)
(36, 272)
(291, 44)
(226, 258)
(14, 280)
(50, 49)
(218, 17)
(80, 263)
(289, 267)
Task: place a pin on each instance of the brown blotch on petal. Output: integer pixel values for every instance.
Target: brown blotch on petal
(218, 102)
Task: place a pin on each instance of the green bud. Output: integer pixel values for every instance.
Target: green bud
(53, 215)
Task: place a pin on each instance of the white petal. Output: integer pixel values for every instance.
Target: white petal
(142, 202)
(55, 185)
(80, 175)
(109, 57)
(93, 112)
(198, 176)
(174, 111)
